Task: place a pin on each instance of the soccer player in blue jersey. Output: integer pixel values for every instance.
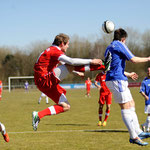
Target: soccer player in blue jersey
(145, 91)
(117, 82)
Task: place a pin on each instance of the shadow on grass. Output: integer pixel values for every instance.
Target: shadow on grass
(70, 124)
(107, 130)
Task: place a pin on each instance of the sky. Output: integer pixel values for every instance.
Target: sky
(23, 22)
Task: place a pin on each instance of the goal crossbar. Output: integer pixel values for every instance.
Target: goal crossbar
(21, 77)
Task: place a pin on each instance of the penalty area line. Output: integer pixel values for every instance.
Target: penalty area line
(60, 131)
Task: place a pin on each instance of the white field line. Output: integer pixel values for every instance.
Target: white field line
(60, 131)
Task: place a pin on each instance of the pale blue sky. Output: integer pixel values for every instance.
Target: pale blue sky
(26, 21)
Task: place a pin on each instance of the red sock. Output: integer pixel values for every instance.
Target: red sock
(52, 110)
(106, 115)
(100, 115)
(85, 68)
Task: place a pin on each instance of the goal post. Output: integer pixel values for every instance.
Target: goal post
(20, 77)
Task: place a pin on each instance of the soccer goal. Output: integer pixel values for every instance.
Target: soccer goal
(17, 78)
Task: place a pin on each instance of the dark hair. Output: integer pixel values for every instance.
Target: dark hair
(119, 34)
(61, 38)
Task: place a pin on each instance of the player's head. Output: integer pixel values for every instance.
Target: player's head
(148, 72)
(62, 40)
(120, 34)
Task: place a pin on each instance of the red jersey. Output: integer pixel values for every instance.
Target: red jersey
(0, 85)
(101, 77)
(47, 61)
(88, 84)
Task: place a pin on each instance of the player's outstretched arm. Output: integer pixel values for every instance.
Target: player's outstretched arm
(139, 59)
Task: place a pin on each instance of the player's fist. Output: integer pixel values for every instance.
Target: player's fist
(96, 62)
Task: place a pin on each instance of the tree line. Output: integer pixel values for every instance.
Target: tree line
(17, 62)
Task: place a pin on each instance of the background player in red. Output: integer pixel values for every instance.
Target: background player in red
(88, 84)
(105, 96)
(47, 75)
(1, 87)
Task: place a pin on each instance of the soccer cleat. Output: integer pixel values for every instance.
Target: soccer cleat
(138, 142)
(107, 61)
(144, 135)
(104, 123)
(35, 120)
(99, 123)
(6, 137)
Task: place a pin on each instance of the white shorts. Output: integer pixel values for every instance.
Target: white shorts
(61, 72)
(43, 95)
(120, 91)
(147, 109)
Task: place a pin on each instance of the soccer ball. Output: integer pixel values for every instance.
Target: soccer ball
(108, 26)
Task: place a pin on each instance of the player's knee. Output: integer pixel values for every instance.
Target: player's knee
(67, 107)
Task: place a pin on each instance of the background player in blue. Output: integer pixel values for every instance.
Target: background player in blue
(117, 82)
(145, 91)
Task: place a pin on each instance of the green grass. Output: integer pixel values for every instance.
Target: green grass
(74, 130)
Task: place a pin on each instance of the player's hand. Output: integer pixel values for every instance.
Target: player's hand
(96, 62)
(133, 76)
(146, 98)
(81, 74)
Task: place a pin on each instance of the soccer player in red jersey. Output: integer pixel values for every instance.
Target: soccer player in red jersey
(1, 87)
(105, 96)
(47, 75)
(88, 84)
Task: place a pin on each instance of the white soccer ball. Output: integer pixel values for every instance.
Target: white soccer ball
(108, 26)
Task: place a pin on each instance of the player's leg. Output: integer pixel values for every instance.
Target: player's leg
(106, 114)
(146, 125)
(47, 102)
(85, 68)
(100, 113)
(108, 104)
(39, 101)
(88, 92)
(62, 106)
(123, 97)
(0, 94)
(4, 133)
(135, 118)
(56, 93)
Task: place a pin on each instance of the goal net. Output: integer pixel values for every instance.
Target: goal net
(18, 82)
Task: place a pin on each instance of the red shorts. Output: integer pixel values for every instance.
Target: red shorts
(49, 85)
(105, 98)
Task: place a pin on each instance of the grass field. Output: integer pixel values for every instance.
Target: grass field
(74, 130)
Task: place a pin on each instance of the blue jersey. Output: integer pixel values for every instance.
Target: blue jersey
(145, 87)
(120, 53)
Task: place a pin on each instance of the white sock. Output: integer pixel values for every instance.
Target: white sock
(135, 121)
(46, 99)
(3, 131)
(148, 121)
(128, 120)
(40, 99)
